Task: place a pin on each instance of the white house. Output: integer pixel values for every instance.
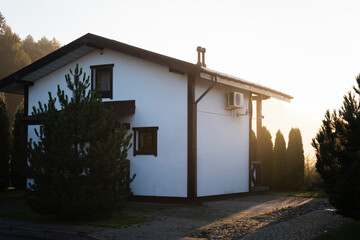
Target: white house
(191, 124)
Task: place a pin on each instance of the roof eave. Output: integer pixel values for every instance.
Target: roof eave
(245, 85)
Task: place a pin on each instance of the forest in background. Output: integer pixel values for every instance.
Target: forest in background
(16, 53)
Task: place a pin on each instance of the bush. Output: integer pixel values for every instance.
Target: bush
(79, 165)
(18, 156)
(312, 179)
(337, 146)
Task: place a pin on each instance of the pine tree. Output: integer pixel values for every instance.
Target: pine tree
(295, 160)
(279, 160)
(19, 53)
(4, 145)
(18, 157)
(337, 147)
(80, 164)
(267, 158)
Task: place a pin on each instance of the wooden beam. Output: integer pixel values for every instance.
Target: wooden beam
(250, 107)
(255, 88)
(259, 97)
(259, 140)
(192, 141)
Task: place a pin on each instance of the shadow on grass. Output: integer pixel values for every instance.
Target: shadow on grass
(347, 231)
(117, 220)
(114, 221)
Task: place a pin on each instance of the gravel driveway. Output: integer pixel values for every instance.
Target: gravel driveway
(267, 216)
(217, 220)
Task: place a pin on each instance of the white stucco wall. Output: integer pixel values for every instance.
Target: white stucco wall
(223, 143)
(161, 100)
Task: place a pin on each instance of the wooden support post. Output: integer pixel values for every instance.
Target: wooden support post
(192, 141)
(258, 139)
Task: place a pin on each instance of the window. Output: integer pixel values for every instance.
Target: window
(102, 76)
(145, 141)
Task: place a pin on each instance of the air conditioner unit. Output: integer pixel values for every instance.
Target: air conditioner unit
(234, 100)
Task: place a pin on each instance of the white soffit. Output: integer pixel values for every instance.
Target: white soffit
(244, 84)
(58, 63)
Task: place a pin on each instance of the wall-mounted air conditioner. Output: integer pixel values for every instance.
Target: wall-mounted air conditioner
(234, 100)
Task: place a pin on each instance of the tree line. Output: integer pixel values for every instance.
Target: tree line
(15, 54)
(282, 167)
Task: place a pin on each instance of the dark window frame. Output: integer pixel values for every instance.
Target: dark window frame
(140, 150)
(99, 68)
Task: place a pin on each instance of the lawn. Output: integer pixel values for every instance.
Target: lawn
(347, 231)
(114, 221)
(313, 194)
(117, 220)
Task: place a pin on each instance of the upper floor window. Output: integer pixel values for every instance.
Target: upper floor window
(102, 76)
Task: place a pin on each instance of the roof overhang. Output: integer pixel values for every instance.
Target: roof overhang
(15, 82)
(119, 110)
(243, 84)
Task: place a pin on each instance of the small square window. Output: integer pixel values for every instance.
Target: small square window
(145, 141)
(102, 77)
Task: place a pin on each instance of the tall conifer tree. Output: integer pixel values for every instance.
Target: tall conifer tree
(337, 147)
(295, 160)
(267, 158)
(279, 166)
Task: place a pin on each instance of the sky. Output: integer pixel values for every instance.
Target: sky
(309, 49)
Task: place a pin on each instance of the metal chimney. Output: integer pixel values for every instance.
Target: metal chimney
(203, 51)
(198, 49)
(201, 56)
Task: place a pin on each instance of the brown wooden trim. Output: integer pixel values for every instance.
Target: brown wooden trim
(120, 109)
(26, 109)
(250, 107)
(258, 140)
(94, 68)
(226, 196)
(192, 141)
(156, 199)
(173, 70)
(26, 100)
(179, 200)
(102, 66)
(26, 83)
(139, 151)
(259, 97)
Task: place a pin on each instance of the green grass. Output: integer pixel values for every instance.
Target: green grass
(313, 194)
(347, 231)
(12, 194)
(115, 221)
(28, 215)
(145, 208)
